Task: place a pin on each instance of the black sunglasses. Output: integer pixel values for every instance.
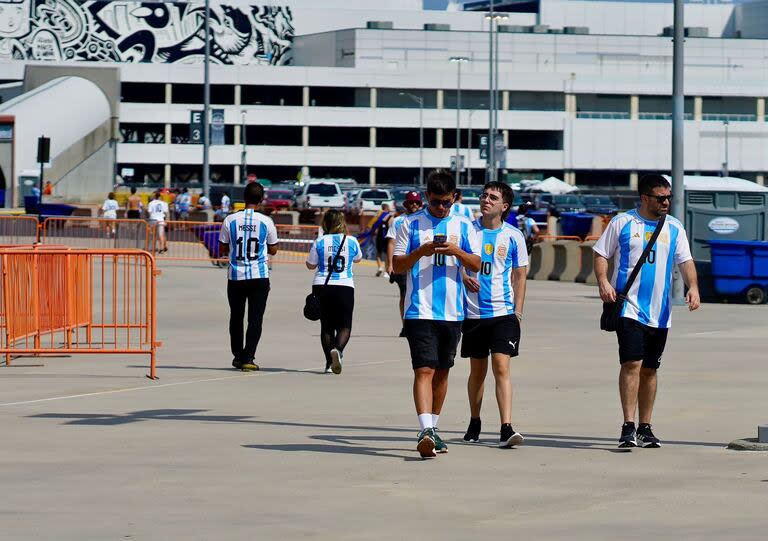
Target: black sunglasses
(659, 198)
(445, 203)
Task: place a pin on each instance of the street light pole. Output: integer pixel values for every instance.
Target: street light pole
(207, 102)
(678, 119)
(420, 101)
(725, 164)
(491, 101)
(459, 61)
(243, 154)
(469, 145)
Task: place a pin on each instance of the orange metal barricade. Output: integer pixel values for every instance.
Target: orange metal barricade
(95, 233)
(18, 230)
(69, 301)
(295, 242)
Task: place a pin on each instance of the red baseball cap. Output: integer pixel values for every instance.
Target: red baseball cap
(412, 197)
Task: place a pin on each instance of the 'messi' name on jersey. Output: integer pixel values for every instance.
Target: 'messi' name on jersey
(248, 227)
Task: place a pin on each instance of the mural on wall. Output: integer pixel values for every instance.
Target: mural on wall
(121, 31)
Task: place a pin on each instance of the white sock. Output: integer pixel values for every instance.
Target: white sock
(435, 417)
(425, 420)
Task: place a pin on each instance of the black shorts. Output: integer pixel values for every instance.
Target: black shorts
(492, 335)
(337, 304)
(401, 280)
(133, 214)
(638, 342)
(432, 343)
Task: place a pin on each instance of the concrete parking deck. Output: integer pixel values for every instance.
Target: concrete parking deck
(94, 450)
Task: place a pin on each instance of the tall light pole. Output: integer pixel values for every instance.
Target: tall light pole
(491, 100)
(725, 163)
(207, 102)
(469, 144)
(678, 120)
(243, 153)
(420, 101)
(459, 60)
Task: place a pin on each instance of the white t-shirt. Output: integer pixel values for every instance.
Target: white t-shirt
(625, 239)
(248, 234)
(394, 225)
(158, 210)
(204, 202)
(322, 254)
(225, 204)
(109, 208)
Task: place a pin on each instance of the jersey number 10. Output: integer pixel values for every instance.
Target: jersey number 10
(251, 251)
(341, 263)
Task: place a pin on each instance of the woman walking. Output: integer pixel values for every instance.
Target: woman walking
(334, 253)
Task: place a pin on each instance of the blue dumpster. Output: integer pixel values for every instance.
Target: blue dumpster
(740, 268)
(55, 209)
(576, 224)
(30, 204)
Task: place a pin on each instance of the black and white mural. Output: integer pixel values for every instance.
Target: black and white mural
(160, 32)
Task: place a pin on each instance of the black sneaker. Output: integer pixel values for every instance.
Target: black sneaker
(627, 438)
(646, 438)
(509, 437)
(402, 333)
(473, 430)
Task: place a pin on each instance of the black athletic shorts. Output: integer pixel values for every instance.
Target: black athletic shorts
(491, 335)
(638, 342)
(337, 304)
(432, 343)
(133, 214)
(400, 280)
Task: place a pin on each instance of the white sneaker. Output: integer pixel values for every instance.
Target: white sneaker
(336, 358)
(385, 276)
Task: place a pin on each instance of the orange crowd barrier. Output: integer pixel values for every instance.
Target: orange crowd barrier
(71, 301)
(295, 242)
(18, 230)
(95, 233)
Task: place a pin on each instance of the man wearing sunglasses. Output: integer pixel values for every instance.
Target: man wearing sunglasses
(411, 204)
(431, 248)
(645, 316)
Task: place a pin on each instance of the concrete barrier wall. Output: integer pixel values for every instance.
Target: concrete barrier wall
(586, 273)
(542, 261)
(567, 260)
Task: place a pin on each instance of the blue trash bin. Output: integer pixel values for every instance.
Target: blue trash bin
(55, 209)
(30, 204)
(576, 224)
(740, 268)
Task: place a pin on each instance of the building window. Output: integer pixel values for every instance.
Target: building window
(327, 96)
(271, 95)
(273, 135)
(405, 137)
(142, 92)
(142, 133)
(535, 140)
(536, 101)
(390, 97)
(320, 136)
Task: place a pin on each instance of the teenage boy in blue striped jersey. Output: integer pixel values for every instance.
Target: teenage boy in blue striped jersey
(495, 298)
(431, 248)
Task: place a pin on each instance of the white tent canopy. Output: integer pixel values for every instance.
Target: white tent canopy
(554, 186)
(719, 184)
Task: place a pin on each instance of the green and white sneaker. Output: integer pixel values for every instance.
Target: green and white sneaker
(440, 445)
(426, 445)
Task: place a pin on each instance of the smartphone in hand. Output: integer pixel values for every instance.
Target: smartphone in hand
(440, 239)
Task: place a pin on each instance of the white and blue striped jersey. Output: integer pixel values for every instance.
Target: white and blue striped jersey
(503, 249)
(322, 253)
(248, 233)
(625, 239)
(460, 209)
(434, 289)
(395, 225)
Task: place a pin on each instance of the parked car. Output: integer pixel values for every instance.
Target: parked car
(371, 199)
(320, 194)
(278, 199)
(600, 204)
(556, 204)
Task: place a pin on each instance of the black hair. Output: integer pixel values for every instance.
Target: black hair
(649, 182)
(440, 182)
(253, 193)
(507, 194)
(133, 189)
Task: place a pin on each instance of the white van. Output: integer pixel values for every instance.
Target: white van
(319, 194)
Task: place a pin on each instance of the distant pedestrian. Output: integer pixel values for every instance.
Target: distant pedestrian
(382, 226)
(135, 205)
(109, 211)
(158, 214)
(527, 226)
(411, 204)
(645, 314)
(247, 237)
(431, 247)
(335, 252)
(460, 208)
(183, 204)
(224, 208)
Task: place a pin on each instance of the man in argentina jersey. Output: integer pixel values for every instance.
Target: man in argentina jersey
(411, 204)
(247, 236)
(431, 247)
(460, 208)
(645, 316)
(495, 298)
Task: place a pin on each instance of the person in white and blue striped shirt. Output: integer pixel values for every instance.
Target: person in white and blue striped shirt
(248, 237)
(332, 257)
(431, 248)
(459, 208)
(645, 316)
(495, 298)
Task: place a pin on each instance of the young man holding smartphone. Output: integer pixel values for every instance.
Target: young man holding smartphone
(431, 248)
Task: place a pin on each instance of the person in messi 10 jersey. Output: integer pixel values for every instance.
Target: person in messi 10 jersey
(431, 248)
(645, 317)
(247, 237)
(337, 299)
(495, 298)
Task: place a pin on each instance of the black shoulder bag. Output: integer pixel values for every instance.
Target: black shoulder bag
(609, 320)
(312, 303)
